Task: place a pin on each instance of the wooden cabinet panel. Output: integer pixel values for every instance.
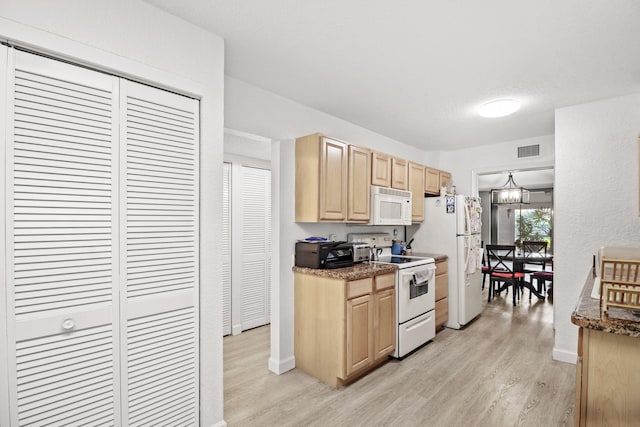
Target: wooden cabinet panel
(442, 267)
(445, 179)
(359, 183)
(307, 178)
(416, 186)
(385, 281)
(442, 293)
(399, 174)
(321, 179)
(380, 169)
(385, 323)
(359, 333)
(333, 180)
(442, 286)
(442, 312)
(356, 288)
(608, 379)
(432, 181)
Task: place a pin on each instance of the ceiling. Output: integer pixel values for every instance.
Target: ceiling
(417, 70)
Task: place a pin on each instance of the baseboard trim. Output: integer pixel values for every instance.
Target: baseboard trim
(281, 366)
(565, 356)
(236, 329)
(222, 423)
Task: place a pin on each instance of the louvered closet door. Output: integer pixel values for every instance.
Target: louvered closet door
(159, 158)
(226, 249)
(61, 227)
(256, 246)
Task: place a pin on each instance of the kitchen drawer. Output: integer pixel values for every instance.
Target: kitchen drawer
(416, 332)
(357, 288)
(385, 281)
(442, 268)
(442, 286)
(442, 312)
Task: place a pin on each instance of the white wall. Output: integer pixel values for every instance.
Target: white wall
(247, 146)
(596, 198)
(132, 38)
(257, 111)
(494, 158)
(251, 109)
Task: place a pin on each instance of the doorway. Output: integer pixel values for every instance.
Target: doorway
(247, 237)
(511, 223)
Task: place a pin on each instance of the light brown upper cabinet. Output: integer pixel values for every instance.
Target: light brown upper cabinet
(416, 186)
(399, 174)
(380, 169)
(359, 188)
(445, 179)
(432, 181)
(321, 179)
(435, 179)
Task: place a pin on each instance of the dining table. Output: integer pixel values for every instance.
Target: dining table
(519, 260)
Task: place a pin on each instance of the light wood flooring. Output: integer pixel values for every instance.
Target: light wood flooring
(496, 372)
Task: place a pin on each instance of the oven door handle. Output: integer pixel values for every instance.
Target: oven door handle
(413, 280)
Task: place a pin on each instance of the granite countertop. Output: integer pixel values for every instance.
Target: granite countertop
(355, 272)
(437, 257)
(588, 314)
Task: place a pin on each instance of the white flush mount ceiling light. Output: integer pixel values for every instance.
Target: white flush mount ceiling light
(499, 108)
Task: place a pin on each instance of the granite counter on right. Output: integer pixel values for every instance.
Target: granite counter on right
(607, 374)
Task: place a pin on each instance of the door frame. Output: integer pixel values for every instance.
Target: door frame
(211, 130)
(5, 409)
(237, 162)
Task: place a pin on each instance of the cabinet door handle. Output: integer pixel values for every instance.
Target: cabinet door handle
(68, 324)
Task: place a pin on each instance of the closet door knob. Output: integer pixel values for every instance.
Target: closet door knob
(68, 324)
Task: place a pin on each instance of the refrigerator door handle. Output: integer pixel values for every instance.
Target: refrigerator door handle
(467, 218)
(467, 254)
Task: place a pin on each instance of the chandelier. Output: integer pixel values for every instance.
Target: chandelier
(510, 193)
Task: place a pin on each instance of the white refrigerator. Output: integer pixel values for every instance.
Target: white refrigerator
(452, 226)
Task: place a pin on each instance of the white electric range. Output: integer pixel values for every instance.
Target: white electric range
(415, 292)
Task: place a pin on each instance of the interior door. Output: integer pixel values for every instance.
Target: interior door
(255, 276)
(226, 249)
(159, 255)
(101, 248)
(61, 228)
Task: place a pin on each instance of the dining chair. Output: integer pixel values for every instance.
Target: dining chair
(485, 270)
(535, 253)
(485, 267)
(541, 278)
(500, 259)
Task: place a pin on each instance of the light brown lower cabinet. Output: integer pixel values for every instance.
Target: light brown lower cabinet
(607, 379)
(442, 292)
(343, 329)
(359, 319)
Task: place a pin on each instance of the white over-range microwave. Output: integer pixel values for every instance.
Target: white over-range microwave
(390, 206)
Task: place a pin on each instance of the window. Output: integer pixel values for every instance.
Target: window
(534, 224)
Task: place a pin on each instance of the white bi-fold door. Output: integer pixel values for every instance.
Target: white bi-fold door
(255, 241)
(101, 248)
(246, 247)
(158, 256)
